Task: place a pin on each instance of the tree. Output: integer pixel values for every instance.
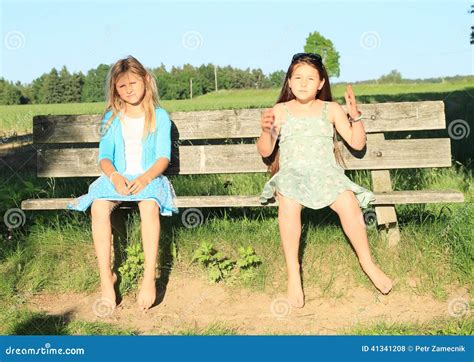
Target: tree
(53, 88)
(94, 84)
(76, 84)
(206, 78)
(9, 93)
(393, 77)
(316, 43)
(277, 78)
(37, 89)
(65, 77)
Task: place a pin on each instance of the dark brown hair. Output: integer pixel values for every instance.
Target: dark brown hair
(273, 161)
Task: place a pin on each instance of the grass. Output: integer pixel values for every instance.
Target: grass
(45, 259)
(20, 321)
(213, 329)
(440, 326)
(436, 239)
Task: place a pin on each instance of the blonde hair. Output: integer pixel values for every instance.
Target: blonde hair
(150, 99)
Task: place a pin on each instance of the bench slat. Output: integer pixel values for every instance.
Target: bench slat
(241, 123)
(243, 158)
(383, 198)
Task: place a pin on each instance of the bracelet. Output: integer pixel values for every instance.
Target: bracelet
(110, 177)
(357, 119)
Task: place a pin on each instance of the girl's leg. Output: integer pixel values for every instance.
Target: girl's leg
(102, 235)
(350, 214)
(289, 221)
(150, 224)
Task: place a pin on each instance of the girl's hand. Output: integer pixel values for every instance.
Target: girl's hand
(267, 120)
(351, 104)
(138, 184)
(120, 183)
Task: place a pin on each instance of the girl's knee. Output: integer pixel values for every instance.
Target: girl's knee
(101, 207)
(347, 206)
(343, 201)
(148, 208)
(288, 208)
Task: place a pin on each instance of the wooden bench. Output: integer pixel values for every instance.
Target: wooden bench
(57, 138)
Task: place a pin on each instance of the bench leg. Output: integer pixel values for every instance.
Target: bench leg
(386, 215)
(387, 220)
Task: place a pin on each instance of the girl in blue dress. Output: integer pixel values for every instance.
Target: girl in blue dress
(134, 151)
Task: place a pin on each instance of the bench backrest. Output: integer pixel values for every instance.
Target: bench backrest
(68, 145)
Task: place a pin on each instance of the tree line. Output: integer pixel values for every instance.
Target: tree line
(65, 87)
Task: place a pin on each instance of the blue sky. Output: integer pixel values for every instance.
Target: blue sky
(419, 38)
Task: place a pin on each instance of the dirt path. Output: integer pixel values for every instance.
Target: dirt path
(190, 302)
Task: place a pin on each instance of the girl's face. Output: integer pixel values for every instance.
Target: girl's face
(305, 82)
(130, 88)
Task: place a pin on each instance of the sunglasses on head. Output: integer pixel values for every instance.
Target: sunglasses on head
(312, 56)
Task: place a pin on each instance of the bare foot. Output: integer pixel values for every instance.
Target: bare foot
(378, 278)
(147, 295)
(295, 292)
(107, 288)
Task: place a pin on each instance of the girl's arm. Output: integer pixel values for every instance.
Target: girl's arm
(267, 140)
(156, 169)
(107, 167)
(139, 183)
(106, 156)
(353, 133)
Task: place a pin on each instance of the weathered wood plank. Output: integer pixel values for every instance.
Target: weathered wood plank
(384, 198)
(240, 123)
(243, 158)
(386, 214)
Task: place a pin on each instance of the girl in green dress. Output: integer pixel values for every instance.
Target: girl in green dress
(298, 138)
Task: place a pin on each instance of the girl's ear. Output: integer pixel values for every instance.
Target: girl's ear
(322, 84)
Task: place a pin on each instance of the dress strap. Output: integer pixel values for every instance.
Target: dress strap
(325, 110)
(286, 110)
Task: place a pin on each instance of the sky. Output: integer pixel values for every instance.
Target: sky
(421, 39)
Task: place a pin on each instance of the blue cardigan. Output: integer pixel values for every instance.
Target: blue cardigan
(156, 145)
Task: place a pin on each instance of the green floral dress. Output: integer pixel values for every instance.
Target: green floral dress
(309, 173)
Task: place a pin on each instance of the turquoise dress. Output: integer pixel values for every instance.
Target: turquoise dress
(159, 190)
(112, 147)
(309, 172)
